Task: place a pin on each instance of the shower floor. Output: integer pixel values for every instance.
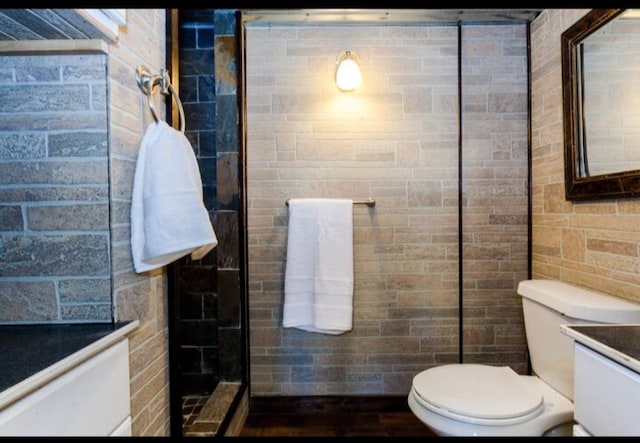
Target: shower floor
(202, 416)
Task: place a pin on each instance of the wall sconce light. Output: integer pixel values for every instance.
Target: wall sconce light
(348, 76)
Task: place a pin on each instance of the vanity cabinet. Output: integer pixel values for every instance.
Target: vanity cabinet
(606, 379)
(85, 394)
(607, 395)
(92, 399)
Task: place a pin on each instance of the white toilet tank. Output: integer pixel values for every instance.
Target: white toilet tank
(546, 305)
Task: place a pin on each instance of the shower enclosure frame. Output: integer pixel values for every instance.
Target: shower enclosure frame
(174, 270)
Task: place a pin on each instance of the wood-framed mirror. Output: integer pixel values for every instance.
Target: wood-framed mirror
(601, 105)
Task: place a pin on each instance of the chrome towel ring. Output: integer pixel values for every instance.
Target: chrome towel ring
(147, 82)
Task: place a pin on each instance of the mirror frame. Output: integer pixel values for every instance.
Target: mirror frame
(614, 185)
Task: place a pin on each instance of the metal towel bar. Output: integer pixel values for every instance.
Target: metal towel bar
(369, 202)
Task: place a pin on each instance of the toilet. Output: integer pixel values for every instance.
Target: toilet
(483, 400)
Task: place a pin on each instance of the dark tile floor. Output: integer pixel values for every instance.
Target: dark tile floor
(332, 417)
(191, 407)
(304, 416)
(202, 416)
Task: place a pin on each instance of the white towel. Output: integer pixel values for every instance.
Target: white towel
(318, 286)
(168, 216)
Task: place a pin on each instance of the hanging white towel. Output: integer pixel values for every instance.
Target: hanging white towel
(318, 286)
(168, 216)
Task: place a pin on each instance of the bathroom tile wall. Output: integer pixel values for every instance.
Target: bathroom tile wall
(495, 193)
(54, 189)
(395, 139)
(143, 296)
(232, 328)
(210, 300)
(198, 279)
(591, 244)
(66, 174)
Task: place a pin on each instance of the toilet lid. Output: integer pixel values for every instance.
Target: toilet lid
(478, 391)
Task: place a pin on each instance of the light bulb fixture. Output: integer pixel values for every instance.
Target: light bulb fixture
(348, 76)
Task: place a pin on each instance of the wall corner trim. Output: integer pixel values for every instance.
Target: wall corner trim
(51, 47)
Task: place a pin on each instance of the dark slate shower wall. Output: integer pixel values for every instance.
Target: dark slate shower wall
(209, 288)
(198, 279)
(228, 197)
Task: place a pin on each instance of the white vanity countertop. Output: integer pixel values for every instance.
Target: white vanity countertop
(33, 355)
(620, 343)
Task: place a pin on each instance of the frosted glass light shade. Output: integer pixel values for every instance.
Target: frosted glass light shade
(348, 76)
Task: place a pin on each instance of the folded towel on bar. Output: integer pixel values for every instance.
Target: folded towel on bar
(318, 286)
(168, 216)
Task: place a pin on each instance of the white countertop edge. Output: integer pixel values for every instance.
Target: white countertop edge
(600, 347)
(39, 379)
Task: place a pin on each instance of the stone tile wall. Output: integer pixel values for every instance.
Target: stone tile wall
(141, 297)
(108, 182)
(54, 189)
(198, 279)
(232, 328)
(210, 299)
(495, 193)
(590, 244)
(395, 139)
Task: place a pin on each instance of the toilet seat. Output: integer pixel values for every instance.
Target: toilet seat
(461, 392)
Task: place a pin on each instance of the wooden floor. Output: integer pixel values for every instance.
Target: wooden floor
(332, 417)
